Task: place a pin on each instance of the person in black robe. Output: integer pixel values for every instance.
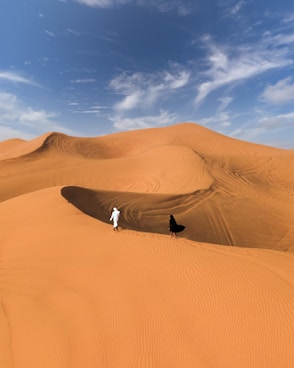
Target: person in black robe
(174, 228)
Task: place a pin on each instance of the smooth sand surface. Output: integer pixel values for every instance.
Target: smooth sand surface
(74, 293)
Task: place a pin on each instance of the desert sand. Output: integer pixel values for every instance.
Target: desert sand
(74, 293)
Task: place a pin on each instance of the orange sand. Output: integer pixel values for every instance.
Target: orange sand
(76, 294)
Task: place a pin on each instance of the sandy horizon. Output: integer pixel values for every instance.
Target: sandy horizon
(74, 293)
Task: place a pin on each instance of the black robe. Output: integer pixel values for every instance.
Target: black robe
(174, 227)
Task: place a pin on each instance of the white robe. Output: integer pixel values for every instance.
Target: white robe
(114, 217)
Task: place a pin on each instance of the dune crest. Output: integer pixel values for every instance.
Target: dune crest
(75, 293)
(13, 148)
(135, 142)
(225, 191)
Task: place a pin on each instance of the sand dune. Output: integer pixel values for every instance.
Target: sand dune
(76, 294)
(18, 147)
(241, 198)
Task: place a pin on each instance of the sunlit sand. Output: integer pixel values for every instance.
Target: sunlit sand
(75, 293)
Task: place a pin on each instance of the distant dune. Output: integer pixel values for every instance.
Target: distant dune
(225, 191)
(76, 294)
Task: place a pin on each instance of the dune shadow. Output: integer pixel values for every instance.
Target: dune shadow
(87, 201)
(149, 212)
(208, 216)
(139, 212)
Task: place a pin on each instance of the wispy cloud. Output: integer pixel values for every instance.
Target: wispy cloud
(15, 78)
(272, 40)
(86, 112)
(81, 81)
(141, 90)
(289, 18)
(128, 123)
(103, 3)
(11, 109)
(130, 102)
(220, 120)
(228, 65)
(7, 132)
(72, 32)
(264, 125)
(225, 101)
(94, 109)
(248, 134)
(180, 6)
(280, 93)
(15, 115)
(237, 7)
(50, 33)
(278, 121)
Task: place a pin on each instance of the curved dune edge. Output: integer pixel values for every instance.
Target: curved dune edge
(208, 215)
(134, 142)
(224, 191)
(166, 169)
(13, 148)
(75, 293)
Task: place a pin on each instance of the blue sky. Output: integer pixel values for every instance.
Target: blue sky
(95, 67)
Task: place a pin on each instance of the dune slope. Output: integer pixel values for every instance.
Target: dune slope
(223, 190)
(76, 294)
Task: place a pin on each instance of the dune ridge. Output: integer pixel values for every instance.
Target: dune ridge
(74, 293)
(114, 145)
(241, 198)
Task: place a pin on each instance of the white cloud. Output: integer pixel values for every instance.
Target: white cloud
(165, 6)
(280, 93)
(145, 90)
(103, 3)
(128, 123)
(289, 18)
(217, 121)
(248, 134)
(278, 40)
(8, 107)
(86, 112)
(225, 101)
(278, 121)
(16, 78)
(81, 81)
(227, 66)
(72, 32)
(141, 91)
(30, 116)
(129, 102)
(43, 60)
(15, 116)
(177, 81)
(180, 6)
(50, 33)
(12, 109)
(237, 7)
(7, 132)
